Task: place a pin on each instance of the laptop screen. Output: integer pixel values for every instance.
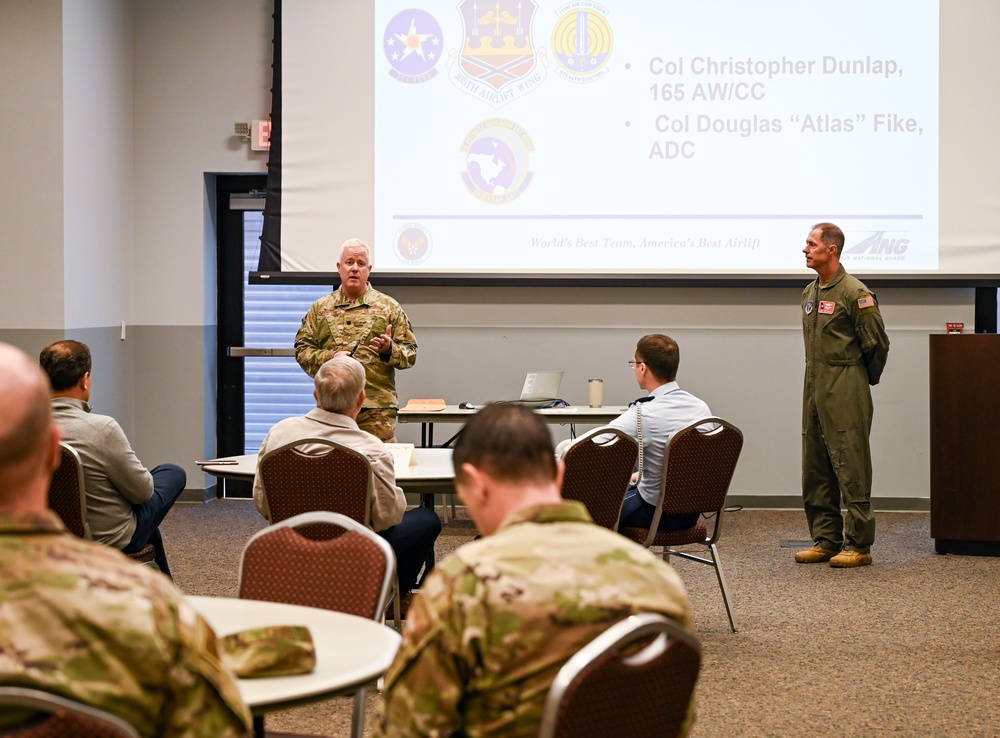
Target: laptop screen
(541, 386)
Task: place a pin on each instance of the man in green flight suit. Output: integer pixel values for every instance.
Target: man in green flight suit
(846, 350)
(358, 320)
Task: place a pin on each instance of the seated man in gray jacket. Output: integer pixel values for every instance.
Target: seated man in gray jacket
(125, 502)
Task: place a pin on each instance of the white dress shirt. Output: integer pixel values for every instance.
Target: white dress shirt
(670, 410)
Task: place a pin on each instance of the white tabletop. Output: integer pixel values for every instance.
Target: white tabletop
(432, 466)
(582, 414)
(350, 651)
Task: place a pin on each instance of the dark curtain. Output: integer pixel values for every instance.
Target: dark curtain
(270, 239)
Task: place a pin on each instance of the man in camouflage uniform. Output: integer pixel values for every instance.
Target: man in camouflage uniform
(79, 619)
(846, 351)
(496, 620)
(359, 321)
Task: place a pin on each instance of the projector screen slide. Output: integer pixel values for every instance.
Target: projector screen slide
(580, 138)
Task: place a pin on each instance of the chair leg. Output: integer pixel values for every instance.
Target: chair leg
(722, 585)
(397, 596)
(444, 510)
(358, 716)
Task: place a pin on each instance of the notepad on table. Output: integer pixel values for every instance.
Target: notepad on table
(402, 454)
(424, 406)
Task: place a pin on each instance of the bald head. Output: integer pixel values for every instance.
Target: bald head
(28, 436)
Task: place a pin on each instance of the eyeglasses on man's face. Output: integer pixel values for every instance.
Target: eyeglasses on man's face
(633, 363)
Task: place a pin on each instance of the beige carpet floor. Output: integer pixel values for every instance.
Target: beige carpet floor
(907, 647)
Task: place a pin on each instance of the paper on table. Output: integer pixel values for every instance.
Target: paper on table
(424, 406)
(402, 454)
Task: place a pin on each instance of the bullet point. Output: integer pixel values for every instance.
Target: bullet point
(627, 124)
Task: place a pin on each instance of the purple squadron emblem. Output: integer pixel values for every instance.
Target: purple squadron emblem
(412, 41)
(496, 159)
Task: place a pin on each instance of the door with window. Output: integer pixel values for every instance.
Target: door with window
(259, 380)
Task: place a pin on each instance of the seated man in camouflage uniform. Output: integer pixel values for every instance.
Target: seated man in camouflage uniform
(496, 620)
(358, 320)
(79, 619)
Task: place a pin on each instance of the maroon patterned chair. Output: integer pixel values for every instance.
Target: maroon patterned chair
(351, 569)
(316, 474)
(319, 474)
(57, 717)
(598, 468)
(637, 677)
(698, 466)
(68, 499)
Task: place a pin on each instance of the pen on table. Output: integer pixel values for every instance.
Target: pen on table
(216, 462)
(355, 347)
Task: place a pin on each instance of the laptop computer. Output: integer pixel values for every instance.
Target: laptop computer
(540, 388)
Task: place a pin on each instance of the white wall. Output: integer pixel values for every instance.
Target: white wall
(31, 149)
(199, 68)
(98, 163)
(741, 351)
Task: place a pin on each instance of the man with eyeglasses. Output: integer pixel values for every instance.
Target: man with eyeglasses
(651, 420)
(846, 351)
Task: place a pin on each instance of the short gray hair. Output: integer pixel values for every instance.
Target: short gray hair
(358, 243)
(339, 383)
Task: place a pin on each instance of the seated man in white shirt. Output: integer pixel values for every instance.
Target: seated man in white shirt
(666, 409)
(340, 394)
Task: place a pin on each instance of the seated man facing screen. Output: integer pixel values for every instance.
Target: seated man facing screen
(498, 618)
(79, 619)
(125, 502)
(340, 395)
(665, 410)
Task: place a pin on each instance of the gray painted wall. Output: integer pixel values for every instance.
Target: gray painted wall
(741, 351)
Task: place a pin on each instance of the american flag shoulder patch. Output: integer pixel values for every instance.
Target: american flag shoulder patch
(866, 302)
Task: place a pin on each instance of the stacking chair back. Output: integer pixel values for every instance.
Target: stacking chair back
(60, 717)
(598, 468)
(316, 474)
(68, 499)
(67, 496)
(351, 572)
(698, 466)
(637, 677)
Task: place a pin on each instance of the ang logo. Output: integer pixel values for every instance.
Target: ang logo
(879, 243)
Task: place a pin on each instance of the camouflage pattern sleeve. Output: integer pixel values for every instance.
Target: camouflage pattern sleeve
(84, 622)
(335, 324)
(313, 340)
(404, 343)
(425, 683)
(204, 700)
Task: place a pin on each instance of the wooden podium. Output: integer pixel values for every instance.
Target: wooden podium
(965, 443)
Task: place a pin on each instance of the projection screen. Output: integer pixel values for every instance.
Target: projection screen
(523, 138)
